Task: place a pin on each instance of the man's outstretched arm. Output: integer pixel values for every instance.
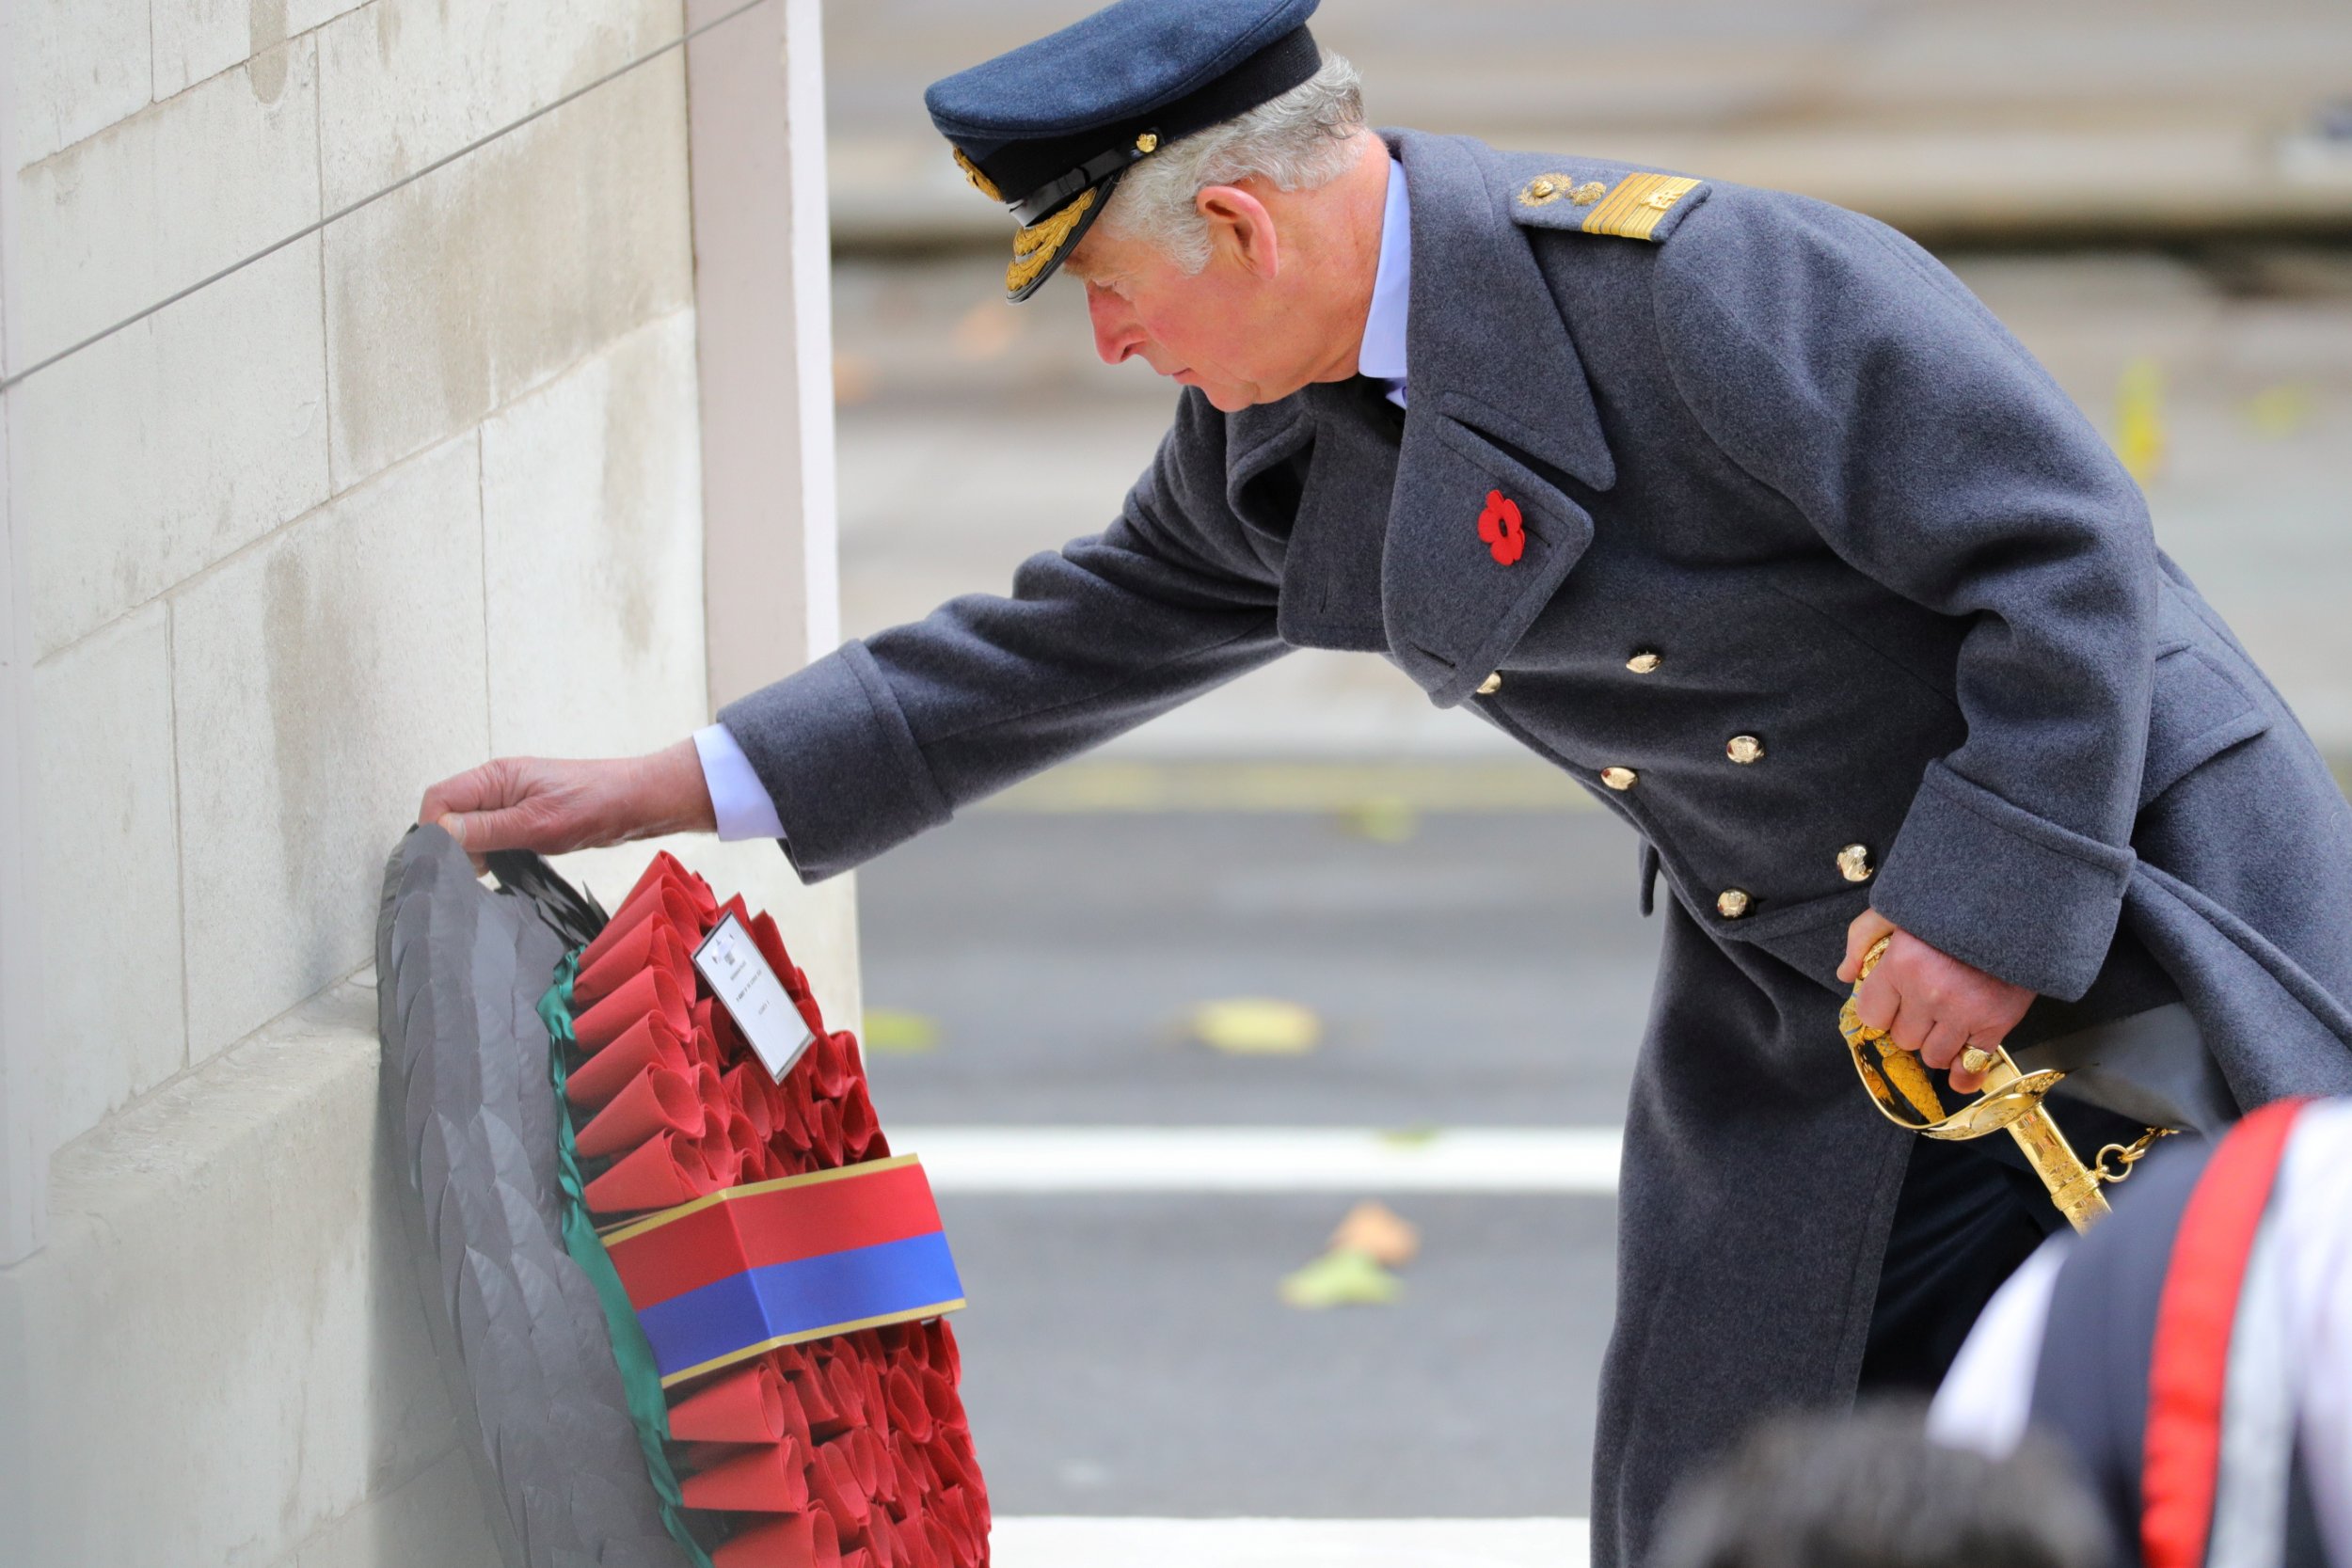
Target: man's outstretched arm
(887, 736)
(553, 806)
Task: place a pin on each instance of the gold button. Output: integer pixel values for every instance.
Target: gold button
(1541, 189)
(1148, 142)
(1644, 662)
(1491, 685)
(1731, 903)
(1745, 749)
(1619, 778)
(1853, 863)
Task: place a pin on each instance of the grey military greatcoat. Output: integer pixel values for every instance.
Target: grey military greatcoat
(1826, 591)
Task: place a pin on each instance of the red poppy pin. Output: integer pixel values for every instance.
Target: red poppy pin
(1499, 525)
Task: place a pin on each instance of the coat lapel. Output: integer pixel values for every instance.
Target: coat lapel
(1500, 404)
(1331, 578)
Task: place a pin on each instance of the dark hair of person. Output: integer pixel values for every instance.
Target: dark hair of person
(1870, 1491)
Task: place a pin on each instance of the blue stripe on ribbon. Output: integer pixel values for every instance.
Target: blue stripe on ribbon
(799, 1297)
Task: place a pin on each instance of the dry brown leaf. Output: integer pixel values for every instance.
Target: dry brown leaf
(1379, 1232)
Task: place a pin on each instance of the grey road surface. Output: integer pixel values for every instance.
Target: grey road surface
(1490, 971)
(1128, 1355)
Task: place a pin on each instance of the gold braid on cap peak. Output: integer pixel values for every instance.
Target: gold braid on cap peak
(980, 183)
(1033, 247)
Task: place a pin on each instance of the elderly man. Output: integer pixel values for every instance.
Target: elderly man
(1735, 506)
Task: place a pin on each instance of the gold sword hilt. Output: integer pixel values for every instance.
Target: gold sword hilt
(1899, 1086)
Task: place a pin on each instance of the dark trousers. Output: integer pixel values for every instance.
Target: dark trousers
(1967, 1215)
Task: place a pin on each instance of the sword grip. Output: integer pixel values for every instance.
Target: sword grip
(2074, 1186)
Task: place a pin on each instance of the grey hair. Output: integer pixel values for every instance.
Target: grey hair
(1298, 141)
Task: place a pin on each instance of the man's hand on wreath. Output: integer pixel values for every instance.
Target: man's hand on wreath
(1928, 1001)
(553, 806)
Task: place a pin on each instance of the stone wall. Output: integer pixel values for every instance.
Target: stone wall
(353, 436)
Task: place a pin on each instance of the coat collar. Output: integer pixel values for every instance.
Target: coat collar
(1483, 338)
(1498, 403)
(1501, 415)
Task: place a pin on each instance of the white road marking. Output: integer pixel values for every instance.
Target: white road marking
(965, 1159)
(1064, 1542)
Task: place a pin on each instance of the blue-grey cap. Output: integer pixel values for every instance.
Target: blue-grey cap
(1048, 128)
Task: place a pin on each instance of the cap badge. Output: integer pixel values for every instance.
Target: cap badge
(1500, 526)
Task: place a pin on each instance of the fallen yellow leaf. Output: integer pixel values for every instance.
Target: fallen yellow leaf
(888, 1030)
(1257, 1026)
(2139, 434)
(1384, 819)
(1340, 1280)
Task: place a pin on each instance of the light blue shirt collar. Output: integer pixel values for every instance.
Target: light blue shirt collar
(1382, 356)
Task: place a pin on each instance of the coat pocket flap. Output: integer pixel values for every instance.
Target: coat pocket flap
(2201, 710)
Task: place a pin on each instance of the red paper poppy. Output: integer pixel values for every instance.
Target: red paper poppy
(771, 1478)
(741, 1406)
(1500, 526)
(785, 1541)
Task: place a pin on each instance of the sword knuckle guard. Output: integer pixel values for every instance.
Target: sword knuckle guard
(1899, 1085)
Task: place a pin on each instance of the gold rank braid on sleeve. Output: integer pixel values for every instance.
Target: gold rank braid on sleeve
(1034, 246)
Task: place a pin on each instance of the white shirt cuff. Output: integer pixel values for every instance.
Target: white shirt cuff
(738, 800)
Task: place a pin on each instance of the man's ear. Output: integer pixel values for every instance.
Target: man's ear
(1240, 229)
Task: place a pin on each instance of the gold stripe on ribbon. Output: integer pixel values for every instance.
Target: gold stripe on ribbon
(912, 1314)
(629, 1229)
(1631, 211)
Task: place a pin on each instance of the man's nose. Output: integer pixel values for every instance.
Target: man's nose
(1116, 335)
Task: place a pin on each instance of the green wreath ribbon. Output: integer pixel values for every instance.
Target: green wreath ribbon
(640, 1382)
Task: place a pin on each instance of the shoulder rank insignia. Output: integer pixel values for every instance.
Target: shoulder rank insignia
(1632, 209)
(1544, 189)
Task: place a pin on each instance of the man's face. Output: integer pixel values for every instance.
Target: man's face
(1228, 329)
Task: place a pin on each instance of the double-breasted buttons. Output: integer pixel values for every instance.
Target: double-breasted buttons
(1644, 662)
(1853, 863)
(1731, 903)
(1491, 685)
(1619, 778)
(1745, 749)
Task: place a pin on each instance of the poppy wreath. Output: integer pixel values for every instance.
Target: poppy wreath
(582, 1237)
(754, 1202)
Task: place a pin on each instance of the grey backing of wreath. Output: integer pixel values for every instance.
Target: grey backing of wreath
(517, 1329)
